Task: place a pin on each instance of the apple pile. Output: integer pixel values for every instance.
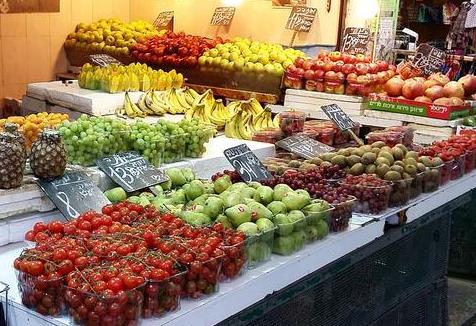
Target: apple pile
(243, 54)
(437, 89)
(110, 36)
(329, 73)
(175, 49)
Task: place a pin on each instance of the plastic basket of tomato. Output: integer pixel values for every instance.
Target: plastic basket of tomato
(104, 295)
(234, 260)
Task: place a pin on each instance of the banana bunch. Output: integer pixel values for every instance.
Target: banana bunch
(220, 114)
(264, 120)
(130, 109)
(248, 117)
(208, 110)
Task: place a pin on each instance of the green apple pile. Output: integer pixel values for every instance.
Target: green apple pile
(258, 211)
(242, 54)
(110, 36)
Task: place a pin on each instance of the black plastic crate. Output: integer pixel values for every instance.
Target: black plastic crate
(362, 286)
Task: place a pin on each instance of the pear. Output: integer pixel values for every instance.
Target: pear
(158, 190)
(280, 191)
(224, 220)
(209, 187)
(238, 214)
(158, 201)
(201, 200)
(298, 219)
(277, 207)
(144, 201)
(213, 207)
(194, 189)
(300, 238)
(249, 192)
(323, 229)
(248, 228)
(176, 176)
(188, 174)
(178, 197)
(259, 211)
(295, 201)
(195, 219)
(312, 233)
(265, 194)
(134, 199)
(264, 225)
(285, 227)
(167, 185)
(284, 245)
(231, 198)
(238, 186)
(254, 184)
(304, 193)
(222, 184)
(257, 252)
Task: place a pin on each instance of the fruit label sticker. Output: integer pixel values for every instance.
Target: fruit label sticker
(104, 60)
(301, 19)
(164, 20)
(245, 162)
(339, 117)
(74, 194)
(131, 171)
(304, 146)
(223, 16)
(429, 59)
(356, 40)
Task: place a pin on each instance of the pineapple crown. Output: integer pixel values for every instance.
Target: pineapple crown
(51, 134)
(11, 127)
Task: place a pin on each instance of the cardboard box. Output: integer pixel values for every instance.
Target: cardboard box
(429, 110)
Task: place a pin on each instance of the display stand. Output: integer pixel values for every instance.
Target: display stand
(328, 258)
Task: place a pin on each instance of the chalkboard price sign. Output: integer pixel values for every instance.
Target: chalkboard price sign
(164, 20)
(104, 60)
(223, 16)
(356, 40)
(245, 162)
(131, 171)
(429, 59)
(304, 146)
(74, 194)
(301, 19)
(339, 117)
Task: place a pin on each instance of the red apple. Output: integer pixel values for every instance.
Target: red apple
(352, 77)
(456, 101)
(319, 74)
(429, 83)
(373, 68)
(423, 99)
(309, 74)
(338, 66)
(335, 56)
(469, 84)
(328, 66)
(360, 58)
(348, 68)
(361, 68)
(441, 79)
(382, 65)
(308, 64)
(299, 62)
(319, 65)
(394, 86)
(323, 54)
(443, 101)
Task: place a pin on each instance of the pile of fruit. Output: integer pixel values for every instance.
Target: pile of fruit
(99, 270)
(174, 49)
(134, 77)
(338, 73)
(243, 54)
(33, 124)
(90, 138)
(437, 89)
(110, 36)
(254, 209)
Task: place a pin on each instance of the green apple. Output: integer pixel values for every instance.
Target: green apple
(248, 228)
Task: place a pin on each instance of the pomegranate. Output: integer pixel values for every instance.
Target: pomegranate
(441, 79)
(435, 92)
(469, 84)
(394, 86)
(443, 101)
(423, 99)
(413, 88)
(430, 82)
(453, 89)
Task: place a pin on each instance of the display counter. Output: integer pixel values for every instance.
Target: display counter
(280, 272)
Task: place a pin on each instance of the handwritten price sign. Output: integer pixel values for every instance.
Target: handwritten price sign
(304, 146)
(223, 16)
(245, 162)
(164, 19)
(356, 40)
(104, 60)
(301, 19)
(429, 59)
(74, 194)
(131, 171)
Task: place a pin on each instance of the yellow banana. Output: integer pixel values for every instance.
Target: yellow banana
(152, 104)
(255, 106)
(216, 116)
(182, 100)
(143, 106)
(230, 127)
(276, 121)
(244, 127)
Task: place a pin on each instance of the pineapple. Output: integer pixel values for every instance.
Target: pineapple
(12, 161)
(12, 128)
(48, 156)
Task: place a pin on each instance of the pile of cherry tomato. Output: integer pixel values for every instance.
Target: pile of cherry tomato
(128, 261)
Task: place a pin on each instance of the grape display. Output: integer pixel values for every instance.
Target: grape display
(90, 138)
